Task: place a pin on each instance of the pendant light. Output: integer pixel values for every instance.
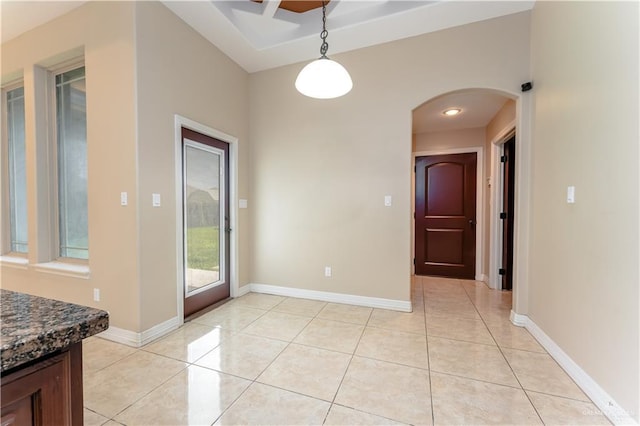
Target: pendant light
(324, 78)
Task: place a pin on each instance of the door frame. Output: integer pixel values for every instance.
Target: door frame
(495, 239)
(480, 225)
(179, 123)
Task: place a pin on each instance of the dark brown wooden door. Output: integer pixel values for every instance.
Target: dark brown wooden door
(507, 215)
(445, 234)
(206, 228)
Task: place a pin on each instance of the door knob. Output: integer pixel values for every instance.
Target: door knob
(472, 222)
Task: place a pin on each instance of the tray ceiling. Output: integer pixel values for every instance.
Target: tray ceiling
(261, 36)
(264, 35)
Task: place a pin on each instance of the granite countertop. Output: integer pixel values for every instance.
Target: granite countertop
(32, 326)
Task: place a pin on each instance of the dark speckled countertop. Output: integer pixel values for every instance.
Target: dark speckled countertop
(32, 326)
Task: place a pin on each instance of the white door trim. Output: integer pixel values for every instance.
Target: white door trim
(479, 202)
(495, 227)
(179, 123)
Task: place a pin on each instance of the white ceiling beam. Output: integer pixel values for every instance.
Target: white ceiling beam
(270, 8)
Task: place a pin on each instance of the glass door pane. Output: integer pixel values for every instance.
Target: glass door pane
(203, 217)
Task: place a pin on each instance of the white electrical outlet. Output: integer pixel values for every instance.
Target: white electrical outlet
(96, 294)
(327, 271)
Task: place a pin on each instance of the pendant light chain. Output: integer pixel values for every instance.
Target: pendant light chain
(323, 78)
(323, 35)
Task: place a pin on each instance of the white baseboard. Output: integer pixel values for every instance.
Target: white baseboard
(136, 340)
(610, 408)
(159, 330)
(482, 277)
(519, 320)
(243, 290)
(325, 296)
(120, 335)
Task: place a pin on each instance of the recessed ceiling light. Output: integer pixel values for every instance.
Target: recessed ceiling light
(452, 111)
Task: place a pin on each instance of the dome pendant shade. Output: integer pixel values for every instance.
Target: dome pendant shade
(324, 79)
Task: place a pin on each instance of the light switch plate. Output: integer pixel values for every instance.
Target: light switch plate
(155, 200)
(387, 200)
(571, 194)
(123, 199)
(242, 203)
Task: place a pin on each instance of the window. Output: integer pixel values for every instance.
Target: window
(17, 170)
(71, 123)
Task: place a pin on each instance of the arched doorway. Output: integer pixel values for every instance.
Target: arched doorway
(485, 121)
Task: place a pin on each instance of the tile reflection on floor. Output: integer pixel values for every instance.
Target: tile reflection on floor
(263, 359)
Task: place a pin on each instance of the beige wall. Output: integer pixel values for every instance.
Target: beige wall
(139, 74)
(584, 256)
(320, 169)
(105, 32)
(179, 72)
(501, 121)
(450, 139)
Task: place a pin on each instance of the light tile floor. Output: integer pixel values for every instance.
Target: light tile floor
(263, 359)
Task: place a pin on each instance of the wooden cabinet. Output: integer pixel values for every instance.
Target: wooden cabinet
(47, 392)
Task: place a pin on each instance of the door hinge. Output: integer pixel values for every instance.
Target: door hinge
(503, 159)
(503, 215)
(414, 215)
(415, 169)
(502, 271)
(414, 260)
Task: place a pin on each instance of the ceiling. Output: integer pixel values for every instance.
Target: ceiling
(299, 6)
(262, 35)
(478, 108)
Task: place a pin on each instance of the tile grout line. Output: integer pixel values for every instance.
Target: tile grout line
(490, 306)
(483, 321)
(188, 364)
(254, 380)
(505, 358)
(236, 332)
(396, 363)
(193, 363)
(471, 379)
(288, 344)
(110, 418)
(118, 360)
(154, 388)
(316, 316)
(426, 337)
(353, 354)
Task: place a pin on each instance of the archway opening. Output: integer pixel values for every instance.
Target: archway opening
(481, 122)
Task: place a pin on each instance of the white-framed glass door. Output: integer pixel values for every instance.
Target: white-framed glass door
(205, 217)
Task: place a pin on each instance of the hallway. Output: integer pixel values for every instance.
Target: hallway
(267, 359)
